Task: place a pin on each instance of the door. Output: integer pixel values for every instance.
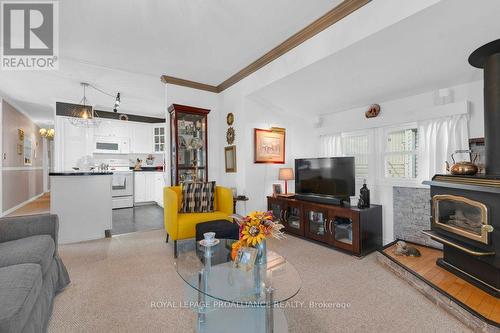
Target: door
(158, 139)
(139, 187)
(106, 145)
(344, 230)
(316, 223)
(277, 207)
(122, 184)
(292, 218)
(142, 138)
(159, 188)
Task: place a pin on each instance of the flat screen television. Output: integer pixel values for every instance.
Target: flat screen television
(328, 179)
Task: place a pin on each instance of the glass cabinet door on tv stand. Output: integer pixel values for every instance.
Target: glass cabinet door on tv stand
(188, 144)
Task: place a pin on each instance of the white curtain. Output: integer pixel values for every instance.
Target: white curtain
(331, 145)
(438, 139)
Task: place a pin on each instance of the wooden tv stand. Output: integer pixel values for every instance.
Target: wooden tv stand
(358, 231)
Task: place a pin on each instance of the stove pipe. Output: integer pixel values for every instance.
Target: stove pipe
(488, 57)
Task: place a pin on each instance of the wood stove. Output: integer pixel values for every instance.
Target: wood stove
(466, 220)
(466, 209)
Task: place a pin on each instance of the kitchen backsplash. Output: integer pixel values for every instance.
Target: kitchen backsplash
(158, 158)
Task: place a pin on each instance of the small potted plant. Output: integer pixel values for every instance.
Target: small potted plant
(150, 159)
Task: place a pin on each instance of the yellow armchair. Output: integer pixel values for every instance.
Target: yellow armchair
(183, 225)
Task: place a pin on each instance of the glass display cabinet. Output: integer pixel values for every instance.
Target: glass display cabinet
(188, 144)
(288, 213)
(316, 223)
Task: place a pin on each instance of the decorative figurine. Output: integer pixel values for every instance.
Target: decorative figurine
(364, 196)
(403, 249)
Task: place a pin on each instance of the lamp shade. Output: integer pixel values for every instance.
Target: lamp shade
(286, 174)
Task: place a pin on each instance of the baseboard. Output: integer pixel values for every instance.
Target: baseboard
(13, 209)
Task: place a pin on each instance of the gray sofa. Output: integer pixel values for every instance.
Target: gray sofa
(31, 272)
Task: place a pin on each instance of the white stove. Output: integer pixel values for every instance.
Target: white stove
(122, 184)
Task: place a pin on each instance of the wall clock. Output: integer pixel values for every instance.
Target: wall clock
(230, 118)
(230, 135)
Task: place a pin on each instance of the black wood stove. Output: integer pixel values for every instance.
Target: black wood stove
(466, 209)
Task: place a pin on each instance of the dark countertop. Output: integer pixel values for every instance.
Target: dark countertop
(148, 169)
(80, 173)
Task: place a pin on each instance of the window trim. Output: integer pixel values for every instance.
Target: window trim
(384, 153)
(370, 155)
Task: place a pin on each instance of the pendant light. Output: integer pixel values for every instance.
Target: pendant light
(84, 115)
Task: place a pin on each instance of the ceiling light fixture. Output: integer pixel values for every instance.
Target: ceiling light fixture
(84, 115)
(47, 133)
(117, 102)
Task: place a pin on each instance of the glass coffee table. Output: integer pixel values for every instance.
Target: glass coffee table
(228, 299)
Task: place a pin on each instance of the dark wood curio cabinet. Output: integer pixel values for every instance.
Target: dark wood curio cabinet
(188, 144)
(358, 231)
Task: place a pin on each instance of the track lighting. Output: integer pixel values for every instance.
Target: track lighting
(117, 103)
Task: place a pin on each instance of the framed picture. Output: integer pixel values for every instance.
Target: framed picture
(245, 259)
(230, 158)
(28, 150)
(270, 145)
(276, 190)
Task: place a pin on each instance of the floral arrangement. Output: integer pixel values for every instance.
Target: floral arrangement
(256, 227)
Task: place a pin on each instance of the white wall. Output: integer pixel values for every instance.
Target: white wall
(401, 111)
(254, 179)
(411, 108)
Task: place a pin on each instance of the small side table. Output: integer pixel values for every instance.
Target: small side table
(238, 198)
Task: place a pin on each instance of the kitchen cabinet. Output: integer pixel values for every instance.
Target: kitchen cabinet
(140, 187)
(113, 128)
(148, 187)
(158, 138)
(142, 139)
(74, 143)
(158, 186)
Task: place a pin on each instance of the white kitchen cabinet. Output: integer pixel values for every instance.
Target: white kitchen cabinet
(113, 128)
(159, 138)
(148, 187)
(142, 138)
(158, 186)
(74, 143)
(141, 187)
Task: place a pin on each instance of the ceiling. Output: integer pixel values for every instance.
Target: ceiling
(424, 52)
(125, 45)
(197, 40)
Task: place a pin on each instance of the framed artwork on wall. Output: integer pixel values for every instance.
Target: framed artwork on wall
(28, 149)
(270, 145)
(230, 158)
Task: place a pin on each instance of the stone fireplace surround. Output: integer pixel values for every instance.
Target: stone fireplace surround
(412, 214)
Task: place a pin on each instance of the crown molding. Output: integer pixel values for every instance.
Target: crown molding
(190, 84)
(331, 17)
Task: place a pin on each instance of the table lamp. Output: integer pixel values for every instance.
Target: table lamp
(286, 174)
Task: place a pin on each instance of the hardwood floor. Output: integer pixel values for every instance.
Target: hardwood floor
(481, 302)
(38, 206)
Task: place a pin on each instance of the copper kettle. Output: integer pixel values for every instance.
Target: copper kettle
(463, 167)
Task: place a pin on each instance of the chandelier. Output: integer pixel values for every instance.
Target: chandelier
(47, 133)
(84, 115)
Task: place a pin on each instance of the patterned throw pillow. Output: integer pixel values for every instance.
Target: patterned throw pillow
(198, 197)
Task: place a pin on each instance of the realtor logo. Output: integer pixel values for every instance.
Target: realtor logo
(29, 35)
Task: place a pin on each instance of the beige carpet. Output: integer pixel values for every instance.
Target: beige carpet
(115, 280)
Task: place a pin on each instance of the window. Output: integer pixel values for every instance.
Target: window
(357, 146)
(400, 159)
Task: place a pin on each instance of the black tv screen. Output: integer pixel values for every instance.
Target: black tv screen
(329, 176)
